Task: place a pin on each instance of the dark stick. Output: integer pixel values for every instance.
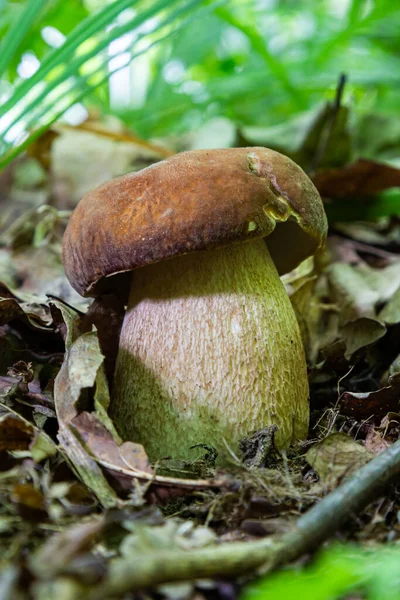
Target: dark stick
(328, 129)
(142, 571)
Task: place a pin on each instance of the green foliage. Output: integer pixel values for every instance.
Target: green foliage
(372, 573)
(22, 25)
(256, 63)
(262, 65)
(67, 74)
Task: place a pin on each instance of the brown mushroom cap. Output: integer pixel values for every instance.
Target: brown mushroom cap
(193, 201)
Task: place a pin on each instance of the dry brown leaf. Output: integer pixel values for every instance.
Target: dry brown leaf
(129, 460)
(337, 457)
(375, 442)
(86, 467)
(361, 178)
(103, 446)
(364, 405)
(78, 373)
(15, 433)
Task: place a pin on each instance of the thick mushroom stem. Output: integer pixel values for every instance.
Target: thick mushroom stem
(210, 349)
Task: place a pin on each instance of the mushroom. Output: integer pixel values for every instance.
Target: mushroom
(209, 349)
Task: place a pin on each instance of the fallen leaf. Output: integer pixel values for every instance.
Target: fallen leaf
(15, 434)
(68, 321)
(364, 405)
(351, 292)
(77, 374)
(103, 446)
(134, 456)
(390, 314)
(375, 442)
(361, 333)
(35, 315)
(86, 467)
(127, 462)
(361, 178)
(337, 457)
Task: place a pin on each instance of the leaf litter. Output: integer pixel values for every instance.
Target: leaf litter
(74, 496)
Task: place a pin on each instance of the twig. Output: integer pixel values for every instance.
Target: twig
(329, 126)
(194, 484)
(142, 571)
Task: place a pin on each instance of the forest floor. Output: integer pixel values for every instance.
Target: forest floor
(75, 501)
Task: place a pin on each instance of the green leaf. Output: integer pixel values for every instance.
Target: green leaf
(43, 107)
(15, 35)
(338, 571)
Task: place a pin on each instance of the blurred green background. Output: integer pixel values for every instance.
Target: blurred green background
(260, 69)
(316, 79)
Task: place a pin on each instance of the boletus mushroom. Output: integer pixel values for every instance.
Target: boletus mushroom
(209, 349)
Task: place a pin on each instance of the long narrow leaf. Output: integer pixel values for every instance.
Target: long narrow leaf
(134, 23)
(15, 35)
(73, 66)
(58, 56)
(12, 153)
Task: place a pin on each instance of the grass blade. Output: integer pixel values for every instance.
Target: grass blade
(56, 57)
(188, 6)
(15, 35)
(73, 66)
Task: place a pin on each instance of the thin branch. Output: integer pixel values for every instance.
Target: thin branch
(142, 571)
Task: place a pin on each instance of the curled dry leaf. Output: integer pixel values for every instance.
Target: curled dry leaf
(103, 446)
(77, 374)
(375, 405)
(361, 178)
(375, 441)
(10, 309)
(35, 314)
(81, 371)
(337, 457)
(83, 355)
(15, 434)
